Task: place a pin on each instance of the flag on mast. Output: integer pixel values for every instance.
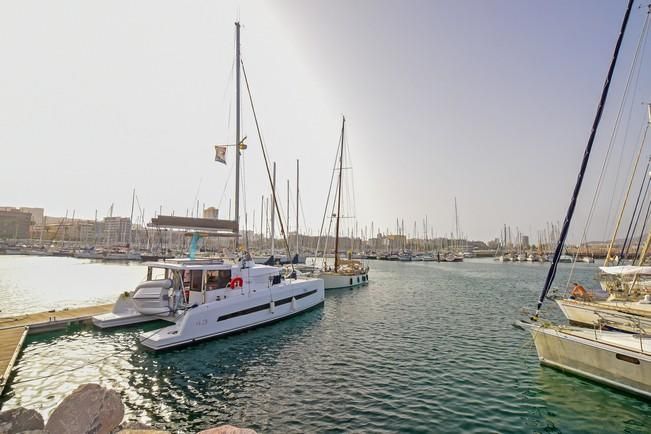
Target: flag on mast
(220, 154)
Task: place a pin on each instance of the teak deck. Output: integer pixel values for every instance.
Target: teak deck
(13, 331)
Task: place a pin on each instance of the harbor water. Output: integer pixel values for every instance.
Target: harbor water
(425, 347)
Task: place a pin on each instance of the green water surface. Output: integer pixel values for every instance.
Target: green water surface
(425, 347)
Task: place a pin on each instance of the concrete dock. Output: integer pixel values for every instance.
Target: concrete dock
(13, 331)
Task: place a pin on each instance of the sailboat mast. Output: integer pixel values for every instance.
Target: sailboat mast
(288, 220)
(262, 223)
(273, 212)
(133, 199)
(456, 221)
(341, 166)
(297, 197)
(237, 134)
(586, 156)
(609, 259)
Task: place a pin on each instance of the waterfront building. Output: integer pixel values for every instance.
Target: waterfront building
(116, 230)
(211, 213)
(36, 213)
(14, 224)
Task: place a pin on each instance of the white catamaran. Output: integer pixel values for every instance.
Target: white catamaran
(206, 298)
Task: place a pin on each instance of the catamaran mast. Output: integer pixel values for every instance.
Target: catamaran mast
(237, 134)
(586, 156)
(341, 167)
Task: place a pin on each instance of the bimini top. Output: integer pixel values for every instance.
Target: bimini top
(191, 264)
(209, 264)
(626, 269)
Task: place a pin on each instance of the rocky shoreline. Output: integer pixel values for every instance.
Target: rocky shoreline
(90, 408)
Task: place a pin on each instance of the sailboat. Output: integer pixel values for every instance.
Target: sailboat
(208, 298)
(628, 304)
(346, 273)
(618, 359)
(456, 253)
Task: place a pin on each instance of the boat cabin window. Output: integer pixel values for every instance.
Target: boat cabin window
(192, 279)
(216, 279)
(157, 273)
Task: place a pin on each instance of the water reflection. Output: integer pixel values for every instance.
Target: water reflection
(580, 405)
(423, 348)
(171, 388)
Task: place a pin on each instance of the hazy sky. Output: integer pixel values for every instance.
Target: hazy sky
(490, 102)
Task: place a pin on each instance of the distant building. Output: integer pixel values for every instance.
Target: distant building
(15, 224)
(37, 213)
(65, 229)
(494, 243)
(525, 241)
(211, 213)
(117, 230)
(82, 230)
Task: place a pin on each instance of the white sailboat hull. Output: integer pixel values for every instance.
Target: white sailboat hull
(611, 358)
(625, 316)
(333, 280)
(237, 313)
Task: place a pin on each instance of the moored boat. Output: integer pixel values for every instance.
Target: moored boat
(626, 316)
(348, 273)
(207, 298)
(620, 360)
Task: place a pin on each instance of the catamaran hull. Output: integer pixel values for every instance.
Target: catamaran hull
(607, 364)
(112, 320)
(614, 317)
(210, 321)
(124, 313)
